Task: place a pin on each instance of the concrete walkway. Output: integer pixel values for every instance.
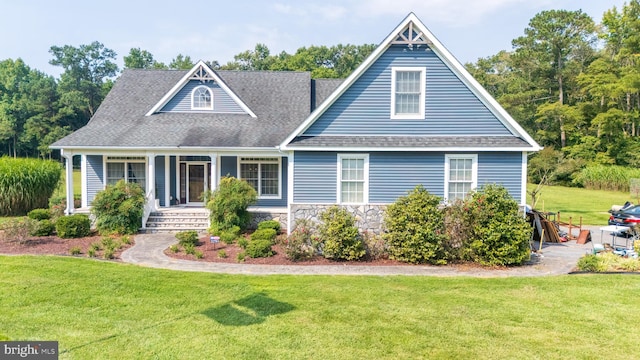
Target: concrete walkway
(555, 259)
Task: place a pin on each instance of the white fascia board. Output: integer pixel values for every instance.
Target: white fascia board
(185, 79)
(102, 150)
(449, 60)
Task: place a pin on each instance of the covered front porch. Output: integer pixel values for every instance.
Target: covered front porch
(178, 179)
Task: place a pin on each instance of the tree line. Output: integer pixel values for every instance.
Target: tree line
(572, 83)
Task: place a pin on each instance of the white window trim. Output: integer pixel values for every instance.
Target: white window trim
(193, 106)
(365, 190)
(124, 161)
(263, 161)
(423, 81)
(447, 168)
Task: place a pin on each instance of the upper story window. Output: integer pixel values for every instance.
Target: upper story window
(407, 92)
(201, 98)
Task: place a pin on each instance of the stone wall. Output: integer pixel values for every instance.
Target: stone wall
(264, 215)
(368, 217)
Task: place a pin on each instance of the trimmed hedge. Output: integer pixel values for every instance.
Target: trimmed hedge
(73, 226)
(259, 248)
(39, 214)
(264, 234)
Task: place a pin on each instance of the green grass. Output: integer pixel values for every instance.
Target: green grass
(77, 184)
(99, 310)
(592, 205)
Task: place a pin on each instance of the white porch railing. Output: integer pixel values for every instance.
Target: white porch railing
(148, 208)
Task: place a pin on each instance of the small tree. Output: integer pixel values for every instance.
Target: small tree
(228, 204)
(415, 228)
(118, 208)
(339, 235)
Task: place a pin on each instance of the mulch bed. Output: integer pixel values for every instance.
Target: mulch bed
(53, 245)
(211, 251)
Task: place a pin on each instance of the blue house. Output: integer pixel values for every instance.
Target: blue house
(409, 114)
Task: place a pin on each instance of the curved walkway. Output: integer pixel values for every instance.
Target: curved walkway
(555, 259)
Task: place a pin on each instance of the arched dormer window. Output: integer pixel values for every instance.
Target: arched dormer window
(201, 98)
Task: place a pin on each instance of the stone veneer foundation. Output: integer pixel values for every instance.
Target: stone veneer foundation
(258, 216)
(368, 217)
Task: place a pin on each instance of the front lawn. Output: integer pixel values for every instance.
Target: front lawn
(99, 310)
(592, 205)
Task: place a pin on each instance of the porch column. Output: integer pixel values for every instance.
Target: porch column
(69, 181)
(213, 167)
(83, 177)
(151, 180)
(167, 181)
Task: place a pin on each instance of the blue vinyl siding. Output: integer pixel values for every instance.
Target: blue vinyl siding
(501, 168)
(315, 177)
(450, 107)
(160, 180)
(95, 176)
(172, 178)
(222, 102)
(392, 175)
(229, 166)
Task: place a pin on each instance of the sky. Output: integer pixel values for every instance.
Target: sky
(215, 30)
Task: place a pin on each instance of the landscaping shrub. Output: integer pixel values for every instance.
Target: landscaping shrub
(458, 228)
(187, 237)
(174, 248)
(415, 228)
(264, 234)
(198, 254)
(222, 254)
(26, 184)
(270, 224)
(44, 228)
(39, 214)
(243, 243)
(118, 208)
(73, 226)
(606, 177)
(228, 204)
(259, 248)
(339, 235)
(18, 229)
(228, 237)
(126, 240)
(588, 263)
(108, 253)
(75, 250)
(189, 248)
(375, 246)
(499, 234)
(91, 253)
(240, 257)
(301, 244)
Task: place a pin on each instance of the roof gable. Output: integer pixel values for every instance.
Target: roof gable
(411, 32)
(202, 73)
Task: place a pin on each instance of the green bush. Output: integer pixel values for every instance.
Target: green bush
(39, 214)
(95, 246)
(259, 248)
(108, 253)
(241, 256)
(189, 248)
(270, 224)
(415, 228)
(222, 254)
(75, 250)
(606, 177)
(264, 234)
(187, 237)
(228, 237)
(243, 242)
(118, 208)
(126, 240)
(91, 252)
(339, 235)
(26, 184)
(229, 202)
(174, 248)
(198, 254)
(375, 245)
(44, 228)
(73, 226)
(499, 234)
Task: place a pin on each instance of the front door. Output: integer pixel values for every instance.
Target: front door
(196, 182)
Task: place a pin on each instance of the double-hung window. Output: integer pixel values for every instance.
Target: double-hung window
(353, 178)
(407, 92)
(263, 174)
(201, 98)
(461, 175)
(130, 168)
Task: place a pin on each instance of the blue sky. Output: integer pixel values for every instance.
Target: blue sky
(216, 30)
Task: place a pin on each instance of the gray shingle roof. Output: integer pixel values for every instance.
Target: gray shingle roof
(410, 141)
(280, 100)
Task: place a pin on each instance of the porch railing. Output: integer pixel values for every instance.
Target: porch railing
(148, 208)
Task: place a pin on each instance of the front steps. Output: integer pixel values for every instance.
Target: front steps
(179, 219)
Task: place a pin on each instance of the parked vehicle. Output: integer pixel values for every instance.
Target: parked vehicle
(626, 216)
